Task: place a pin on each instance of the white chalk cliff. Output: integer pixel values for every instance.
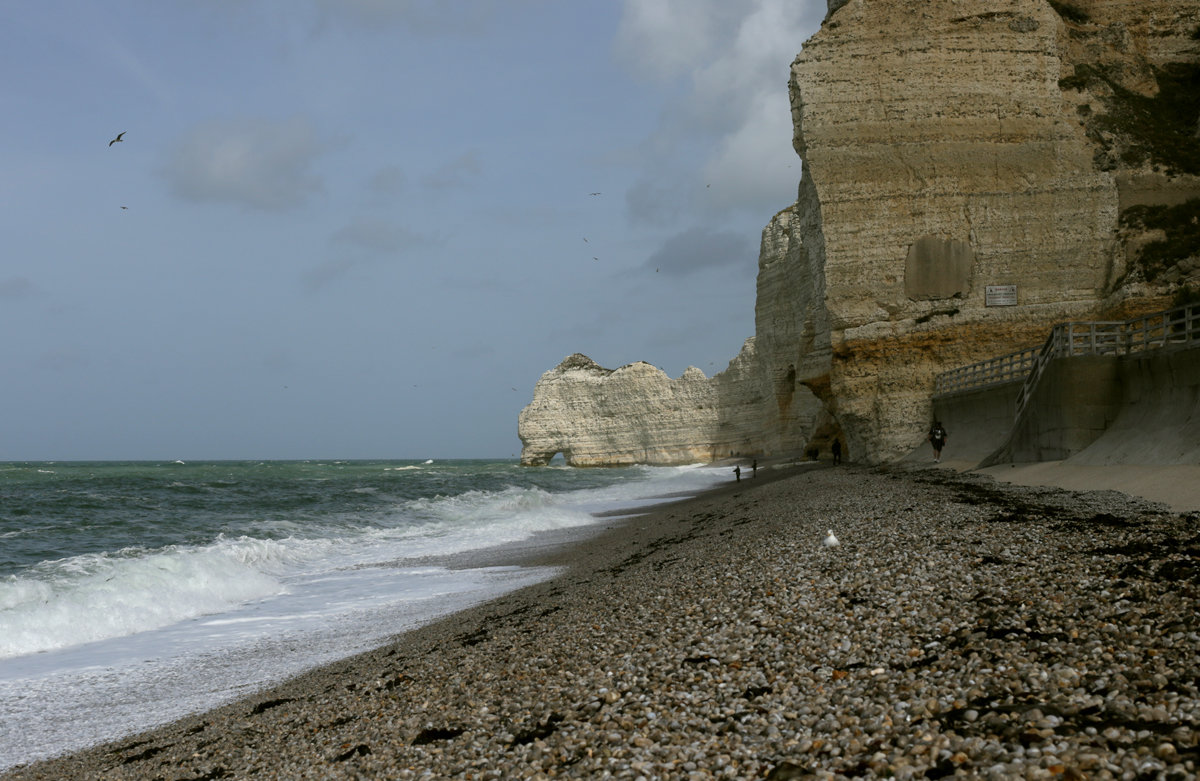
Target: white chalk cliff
(947, 146)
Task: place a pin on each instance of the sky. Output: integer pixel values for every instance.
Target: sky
(365, 228)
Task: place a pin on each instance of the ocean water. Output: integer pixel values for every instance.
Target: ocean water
(133, 593)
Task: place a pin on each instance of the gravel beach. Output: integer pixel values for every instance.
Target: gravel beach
(961, 627)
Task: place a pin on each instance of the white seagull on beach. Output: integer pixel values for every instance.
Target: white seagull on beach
(831, 541)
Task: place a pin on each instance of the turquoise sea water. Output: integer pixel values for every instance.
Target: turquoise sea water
(132, 593)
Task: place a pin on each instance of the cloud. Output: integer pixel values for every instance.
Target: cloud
(358, 245)
(423, 16)
(699, 249)
(664, 39)
(376, 236)
(729, 126)
(387, 183)
(17, 289)
(255, 162)
(455, 173)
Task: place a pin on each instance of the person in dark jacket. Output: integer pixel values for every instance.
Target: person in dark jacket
(937, 438)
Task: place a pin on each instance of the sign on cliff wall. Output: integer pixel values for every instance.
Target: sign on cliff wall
(1000, 295)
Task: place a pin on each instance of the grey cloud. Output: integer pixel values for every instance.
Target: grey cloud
(425, 16)
(455, 173)
(358, 245)
(256, 162)
(377, 236)
(700, 248)
(387, 183)
(17, 289)
(650, 202)
(325, 274)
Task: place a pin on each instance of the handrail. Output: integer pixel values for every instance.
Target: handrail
(1171, 328)
(1005, 368)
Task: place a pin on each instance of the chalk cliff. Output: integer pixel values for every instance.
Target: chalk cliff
(638, 415)
(948, 147)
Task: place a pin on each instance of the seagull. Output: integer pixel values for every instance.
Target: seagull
(124, 207)
(831, 541)
(118, 138)
(595, 193)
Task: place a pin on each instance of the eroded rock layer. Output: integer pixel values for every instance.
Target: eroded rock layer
(948, 148)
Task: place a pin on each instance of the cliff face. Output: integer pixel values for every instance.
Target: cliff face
(638, 415)
(948, 146)
(951, 146)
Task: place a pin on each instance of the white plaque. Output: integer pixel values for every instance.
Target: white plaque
(1000, 295)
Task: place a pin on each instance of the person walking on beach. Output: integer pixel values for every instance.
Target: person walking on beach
(737, 472)
(937, 438)
(836, 448)
(754, 468)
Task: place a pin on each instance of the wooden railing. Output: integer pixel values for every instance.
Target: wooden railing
(1178, 327)
(994, 371)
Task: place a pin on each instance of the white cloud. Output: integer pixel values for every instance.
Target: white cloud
(663, 39)
(256, 162)
(724, 143)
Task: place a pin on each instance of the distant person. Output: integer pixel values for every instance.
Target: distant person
(737, 472)
(937, 438)
(754, 468)
(836, 447)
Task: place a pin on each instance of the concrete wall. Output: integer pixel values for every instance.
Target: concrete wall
(1076, 400)
(1136, 409)
(1159, 418)
(977, 422)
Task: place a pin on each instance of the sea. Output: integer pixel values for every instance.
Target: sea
(135, 593)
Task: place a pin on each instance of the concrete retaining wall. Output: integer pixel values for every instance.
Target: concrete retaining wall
(977, 422)
(1158, 421)
(1135, 409)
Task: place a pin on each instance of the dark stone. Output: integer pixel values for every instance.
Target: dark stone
(539, 732)
(268, 704)
(430, 735)
(361, 750)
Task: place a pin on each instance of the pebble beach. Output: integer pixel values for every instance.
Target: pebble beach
(961, 627)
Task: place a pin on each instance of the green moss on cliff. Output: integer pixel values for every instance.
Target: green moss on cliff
(1136, 129)
(1180, 223)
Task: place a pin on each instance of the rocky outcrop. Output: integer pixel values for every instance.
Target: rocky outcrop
(948, 148)
(638, 415)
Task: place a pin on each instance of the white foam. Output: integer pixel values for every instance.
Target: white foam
(93, 647)
(76, 697)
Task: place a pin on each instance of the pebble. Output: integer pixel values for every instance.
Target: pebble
(961, 627)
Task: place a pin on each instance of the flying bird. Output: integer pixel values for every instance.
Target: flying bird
(831, 541)
(595, 193)
(124, 207)
(118, 138)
